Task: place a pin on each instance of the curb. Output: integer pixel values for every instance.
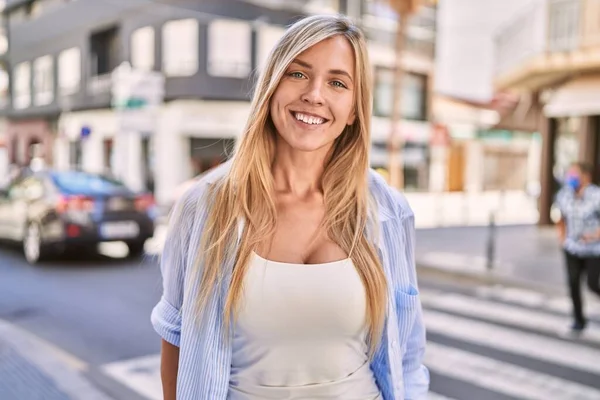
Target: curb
(65, 371)
(485, 277)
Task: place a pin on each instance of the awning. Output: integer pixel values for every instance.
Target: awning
(578, 97)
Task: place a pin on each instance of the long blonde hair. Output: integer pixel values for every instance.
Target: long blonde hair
(247, 191)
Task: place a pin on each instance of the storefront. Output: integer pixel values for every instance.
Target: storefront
(191, 137)
(27, 140)
(570, 129)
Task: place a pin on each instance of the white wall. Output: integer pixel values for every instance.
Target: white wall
(172, 155)
(465, 48)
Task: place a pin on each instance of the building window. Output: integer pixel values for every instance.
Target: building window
(22, 89)
(180, 47)
(43, 83)
(69, 71)
(564, 25)
(142, 48)
(229, 48)
(4, 85)
(267, 38)
(414, 95)
(104, 51)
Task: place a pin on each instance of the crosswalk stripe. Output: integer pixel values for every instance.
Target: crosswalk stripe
(502, 313)
(502, 377)
(530, 298)
(435, 396)
(514, 341)
(140, 374)
(514, 295)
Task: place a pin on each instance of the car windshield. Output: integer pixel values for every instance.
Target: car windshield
(77, 182)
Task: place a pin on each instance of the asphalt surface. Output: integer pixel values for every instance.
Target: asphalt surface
(95, 307)
(484, 342)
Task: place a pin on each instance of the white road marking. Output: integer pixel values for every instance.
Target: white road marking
(513, 341)
(503, 313)
(435, 396)
(502, 377)
(531, 298)
(140, 374)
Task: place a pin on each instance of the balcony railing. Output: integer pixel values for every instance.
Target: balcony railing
(564, 24)
(546, 28)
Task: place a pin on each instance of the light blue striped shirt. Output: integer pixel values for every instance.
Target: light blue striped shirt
(205, 353)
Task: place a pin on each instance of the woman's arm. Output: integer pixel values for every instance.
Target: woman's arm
(168, 370)
(562, 230)
(167, 314)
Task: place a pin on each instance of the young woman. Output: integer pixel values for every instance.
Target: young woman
(289, 271)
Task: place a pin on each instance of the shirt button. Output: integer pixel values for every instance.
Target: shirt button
(394, 344)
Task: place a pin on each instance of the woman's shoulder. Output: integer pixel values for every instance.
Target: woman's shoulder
(390, 201)
(198, 195)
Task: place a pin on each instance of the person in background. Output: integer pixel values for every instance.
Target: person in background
(289, 272)
(579, 234)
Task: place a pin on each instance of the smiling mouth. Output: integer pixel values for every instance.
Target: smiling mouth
(308, 119)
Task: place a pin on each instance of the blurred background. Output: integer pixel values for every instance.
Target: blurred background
(110, 109)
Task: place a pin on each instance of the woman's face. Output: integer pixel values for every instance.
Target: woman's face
(314, 101)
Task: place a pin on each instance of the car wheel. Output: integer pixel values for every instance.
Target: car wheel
(33, 246)
(136, 249)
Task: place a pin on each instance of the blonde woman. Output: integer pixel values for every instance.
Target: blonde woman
(289, 271)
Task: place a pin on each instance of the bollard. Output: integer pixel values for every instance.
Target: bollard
(491, 244)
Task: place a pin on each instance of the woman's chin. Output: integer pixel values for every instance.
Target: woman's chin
(306, 145)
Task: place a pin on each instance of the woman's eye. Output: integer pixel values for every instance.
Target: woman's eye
(338, 84)
(297, 75)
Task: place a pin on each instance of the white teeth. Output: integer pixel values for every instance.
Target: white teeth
(309, 120)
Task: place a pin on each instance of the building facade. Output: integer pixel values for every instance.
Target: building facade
(63, 54)
(550, 51)
(484, 149)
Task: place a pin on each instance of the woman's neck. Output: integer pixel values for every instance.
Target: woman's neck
(298, 172)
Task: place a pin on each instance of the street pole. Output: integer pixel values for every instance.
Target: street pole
(395, 140)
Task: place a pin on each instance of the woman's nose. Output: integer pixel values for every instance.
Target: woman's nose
(313, 94)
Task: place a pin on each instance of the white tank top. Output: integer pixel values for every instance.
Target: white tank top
(301, 334)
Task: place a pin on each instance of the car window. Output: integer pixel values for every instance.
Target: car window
(78, 182)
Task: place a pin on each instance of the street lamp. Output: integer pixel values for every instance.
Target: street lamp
(405, 9)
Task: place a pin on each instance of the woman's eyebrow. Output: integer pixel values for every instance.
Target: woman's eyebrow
(331, 71)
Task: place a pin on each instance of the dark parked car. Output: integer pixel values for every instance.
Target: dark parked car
(52, 211)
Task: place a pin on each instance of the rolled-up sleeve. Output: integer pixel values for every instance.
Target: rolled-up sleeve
(416, 375)
(166, 315)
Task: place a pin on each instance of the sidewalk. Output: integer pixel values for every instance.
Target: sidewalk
(30, 369)
(525, 255)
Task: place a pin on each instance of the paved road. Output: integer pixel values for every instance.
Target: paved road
(96, 308)
(484, 343)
